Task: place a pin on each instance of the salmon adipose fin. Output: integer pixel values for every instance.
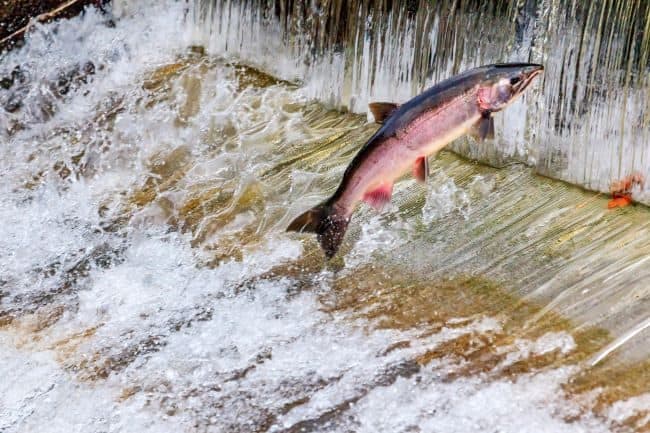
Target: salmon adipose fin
(328, 224)
(382, 110)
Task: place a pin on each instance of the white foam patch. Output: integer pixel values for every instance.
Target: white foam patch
(532, 403)
(38, 396)
(56, 220)
(119, 54)
(160, 276)
(200, 378)
(379, 234)
(623, 410)
(561, 342)
(445, 198)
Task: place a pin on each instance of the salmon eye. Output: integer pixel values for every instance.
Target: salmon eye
(515, 80)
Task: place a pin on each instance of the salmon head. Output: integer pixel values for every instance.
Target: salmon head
(504, 83)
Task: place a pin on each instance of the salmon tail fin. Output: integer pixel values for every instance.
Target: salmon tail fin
(309, 221)
(327, 222)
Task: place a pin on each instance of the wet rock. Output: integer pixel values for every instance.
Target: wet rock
(108, 360)
(250, 77)
(15, 16)
(19, 75)
(74, 77)
(6, 82)
(13, 103)
(42, 94)
(162, 75)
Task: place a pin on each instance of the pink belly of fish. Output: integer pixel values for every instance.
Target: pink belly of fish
(373, 180)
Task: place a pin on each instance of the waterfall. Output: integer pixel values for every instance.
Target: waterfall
(587, 123)
(147, 283)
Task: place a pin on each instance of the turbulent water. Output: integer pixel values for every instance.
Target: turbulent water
(147, 283)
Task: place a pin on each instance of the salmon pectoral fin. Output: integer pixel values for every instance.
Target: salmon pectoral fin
(382, 110)
(329, 224)
(378, 197)
(483, 129)
(421, 169)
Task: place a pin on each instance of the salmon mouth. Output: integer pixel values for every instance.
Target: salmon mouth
(528, 79)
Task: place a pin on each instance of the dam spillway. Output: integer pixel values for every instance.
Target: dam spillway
(153, 157)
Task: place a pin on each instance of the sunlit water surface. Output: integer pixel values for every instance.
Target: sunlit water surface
(147, 283)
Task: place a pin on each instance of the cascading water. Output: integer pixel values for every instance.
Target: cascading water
(588, 125)
(148, 171)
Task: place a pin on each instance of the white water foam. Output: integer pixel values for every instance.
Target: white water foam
(444, 197)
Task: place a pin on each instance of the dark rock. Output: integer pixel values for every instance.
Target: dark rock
(6, 82)
(19, 75)
(13, 104)
(15, 16)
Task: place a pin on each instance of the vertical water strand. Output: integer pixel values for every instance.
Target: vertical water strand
(542, 34)
(359, 62)
(623, 53)
(569, 134)
(579, 105)
(644, 83)
(639, 71)
(627, 57)
(594, 61)
(615, 56)
(422, 50)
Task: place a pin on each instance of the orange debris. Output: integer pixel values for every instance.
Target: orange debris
(619, 202)
(621, 190)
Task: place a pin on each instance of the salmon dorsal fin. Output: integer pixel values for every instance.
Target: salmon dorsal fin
(421, 169)
(379, 196)
(382, 110)
(483, 128)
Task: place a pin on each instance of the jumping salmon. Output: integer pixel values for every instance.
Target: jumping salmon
(410, 134)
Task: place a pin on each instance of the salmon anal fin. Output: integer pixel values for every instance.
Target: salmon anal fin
(483, 128)
(421, 169)
(382, 110)
(378, 197)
